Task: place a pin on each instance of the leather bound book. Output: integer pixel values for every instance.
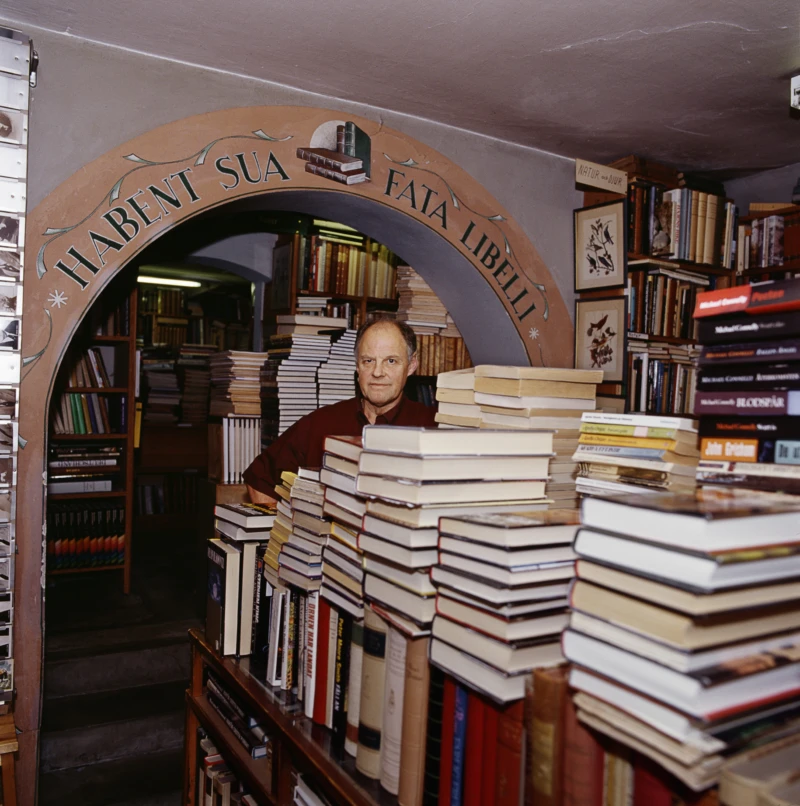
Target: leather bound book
(368, 754)
(393, 695)
(448, 730)
(415, 723)
(510, 735)
(648, 787)
(433, 740)
(473, 756)
(354, 687)
(584, 762)
(544, 724)
(321, 664)
(489, 775)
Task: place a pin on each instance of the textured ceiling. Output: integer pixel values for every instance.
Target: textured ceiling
(702, 84)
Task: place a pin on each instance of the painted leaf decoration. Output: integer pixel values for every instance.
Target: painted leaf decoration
(58, 230)
(22, 441)
(204, 153)
(497, 217)
(30, 359)
(41, 269)
(508, 246)
(115, 191)
(264, 136)
(140, 160)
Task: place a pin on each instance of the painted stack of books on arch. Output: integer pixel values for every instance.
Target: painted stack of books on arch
(635, 453)
(523, 398)
(684, 633)
(748, 397)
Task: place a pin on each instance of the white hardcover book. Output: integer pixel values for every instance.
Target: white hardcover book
(286, 672)
(333, 631)
(225, 459)
(392, 738)
(300, 649)
(354, 687)
(274, 669)
(309, 661)
(247, 575)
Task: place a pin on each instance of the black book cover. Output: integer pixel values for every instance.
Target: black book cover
(744, 327)
(767, 352)
(433, 744)
(341, 677)
(261, 618)
(747, 378)
(753, 427)
(358, 144)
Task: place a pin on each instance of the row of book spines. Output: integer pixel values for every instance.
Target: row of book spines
(89, 370)
(166, 301)
(767, 242)
(112, 323)
(661, 306)
(437, 354)
(566, 764)
(85, 413)
(174, 496)
(345, 269)
(660, 386)
(173, 335)
(85, 552)
(700, 226)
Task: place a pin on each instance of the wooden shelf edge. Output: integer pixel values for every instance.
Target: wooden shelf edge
(80, 496)
(68, 437)
(252, 770)
(106, 390)
(87, 570)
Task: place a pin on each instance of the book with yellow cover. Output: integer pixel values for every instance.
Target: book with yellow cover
(673, 445)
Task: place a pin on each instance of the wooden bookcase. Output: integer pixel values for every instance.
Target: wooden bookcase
(124, 349)
(297, 743)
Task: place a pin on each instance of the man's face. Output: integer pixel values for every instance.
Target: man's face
(383, 365)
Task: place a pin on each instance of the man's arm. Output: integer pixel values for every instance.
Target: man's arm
(288, 452)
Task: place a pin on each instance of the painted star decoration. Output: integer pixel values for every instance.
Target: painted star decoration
(57, 299)
(534, 333)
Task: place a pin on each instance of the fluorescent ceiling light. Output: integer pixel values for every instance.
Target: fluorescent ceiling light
(321, 222)
(143, 278)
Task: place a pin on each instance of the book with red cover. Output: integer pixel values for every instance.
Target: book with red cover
(648, 787)
(448, 733)
(473, 758)
(584, 762)
(489, 775)
(321, 689)
(510, 735)
(775, 297)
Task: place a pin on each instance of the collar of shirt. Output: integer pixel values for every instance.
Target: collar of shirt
(382, 419)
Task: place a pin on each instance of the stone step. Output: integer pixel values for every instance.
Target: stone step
(85, 710)
(150, 780)
(111, 741)
(124, 669)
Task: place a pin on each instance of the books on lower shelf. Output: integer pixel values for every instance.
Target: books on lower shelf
(85, 534)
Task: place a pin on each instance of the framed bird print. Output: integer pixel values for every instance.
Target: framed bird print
(601, 336)
(601, 248)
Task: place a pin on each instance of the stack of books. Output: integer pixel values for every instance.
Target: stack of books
(289, 383)
(195, 377)
(161, 383)
(685, 625)
(336, 377)
(429, 468)
(312, 306)
(303, 324)
(281, 529)
(748, 394)
(300, 559)
(235, 383)
(523, 398)
(418, 306)
(73, 468)
(501, 604)
(342, 559)
(636, 453)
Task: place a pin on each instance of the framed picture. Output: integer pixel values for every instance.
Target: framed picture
(10, 265)
(601, 247)
(601, 336)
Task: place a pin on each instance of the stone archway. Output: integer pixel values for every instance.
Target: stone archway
(84, 232)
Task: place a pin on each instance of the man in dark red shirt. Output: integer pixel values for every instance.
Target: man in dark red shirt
(386, 354)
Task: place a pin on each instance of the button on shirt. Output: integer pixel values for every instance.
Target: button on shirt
(302, 445)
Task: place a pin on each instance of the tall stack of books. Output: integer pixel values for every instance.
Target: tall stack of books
(195, 377)
(426, 469)
(161, 383)
(635, 453)
(342, 559)
(336, 377)
(417, 304)
(235, 383)
(502, 582)
(523, 398)
(748, 394)
(281, 529)
(289, 382)
(685, 625)
(300, 559)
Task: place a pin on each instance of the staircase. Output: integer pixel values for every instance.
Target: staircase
(116, 669)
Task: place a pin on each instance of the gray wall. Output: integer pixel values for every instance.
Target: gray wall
(768, 186)
(92, 97)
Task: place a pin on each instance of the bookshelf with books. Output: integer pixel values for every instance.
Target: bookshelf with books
(91, 443)
(680, 237)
